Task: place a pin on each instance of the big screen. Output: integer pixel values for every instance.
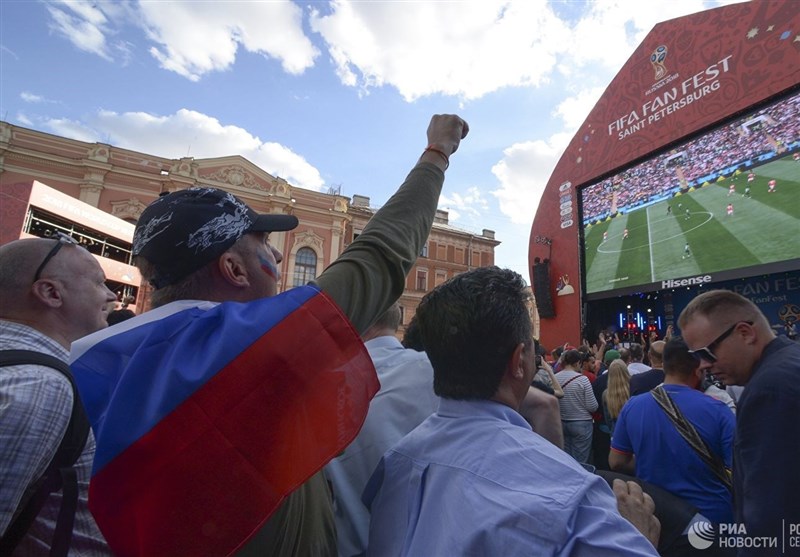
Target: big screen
(723, 205)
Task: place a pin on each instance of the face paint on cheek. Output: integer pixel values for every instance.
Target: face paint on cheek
(268, 267)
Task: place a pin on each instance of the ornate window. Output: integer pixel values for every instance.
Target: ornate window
(422, 279)
(305, 266)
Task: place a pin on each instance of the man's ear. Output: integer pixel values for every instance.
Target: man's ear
(48, 292)
(233, 270)
(699, 374)
(515, 362)
(750, 334)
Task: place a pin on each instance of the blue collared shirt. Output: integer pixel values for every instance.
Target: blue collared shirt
(473, 479)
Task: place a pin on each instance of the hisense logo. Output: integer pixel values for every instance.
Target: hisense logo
(672, 283)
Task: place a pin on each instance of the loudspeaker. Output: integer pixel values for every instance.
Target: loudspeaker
(541, 289)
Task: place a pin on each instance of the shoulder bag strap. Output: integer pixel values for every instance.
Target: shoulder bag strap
(690, 435)
(564, 386)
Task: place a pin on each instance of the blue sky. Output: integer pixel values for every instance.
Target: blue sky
(331, 93)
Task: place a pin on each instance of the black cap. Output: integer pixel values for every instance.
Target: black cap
(185, 230)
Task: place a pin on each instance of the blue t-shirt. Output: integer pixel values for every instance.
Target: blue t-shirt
(664, 458)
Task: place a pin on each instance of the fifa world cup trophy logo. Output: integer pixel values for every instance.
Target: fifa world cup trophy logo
(657, 59)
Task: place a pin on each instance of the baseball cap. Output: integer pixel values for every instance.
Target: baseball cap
(183, 231)
(610, 356)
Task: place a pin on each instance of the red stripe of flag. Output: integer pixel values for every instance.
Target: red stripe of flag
(206, 477)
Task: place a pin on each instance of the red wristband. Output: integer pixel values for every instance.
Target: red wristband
(439, 152)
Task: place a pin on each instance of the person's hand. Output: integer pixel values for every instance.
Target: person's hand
(638, 508)
(446, 132)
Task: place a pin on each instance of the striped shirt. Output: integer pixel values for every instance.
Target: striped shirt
(35, 405)
(578, 402)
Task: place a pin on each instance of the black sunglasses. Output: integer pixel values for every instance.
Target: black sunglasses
(706, 353)
(62, 240)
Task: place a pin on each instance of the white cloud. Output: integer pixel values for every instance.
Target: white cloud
(470, 202)
(525, 168)
(84, 25)
(72, 129)
(190, 133)
(200, 37)
(31, 98)
(24, 120)
(574, 110)
(610, 31)
(484, 46)
(523, 174)
(191, 38)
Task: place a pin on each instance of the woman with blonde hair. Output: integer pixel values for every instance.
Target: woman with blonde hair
(617, 393)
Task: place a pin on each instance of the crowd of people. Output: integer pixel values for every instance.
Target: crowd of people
(734, 146)
(231, 419)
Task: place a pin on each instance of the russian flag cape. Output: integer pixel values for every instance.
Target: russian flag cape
(207, 415)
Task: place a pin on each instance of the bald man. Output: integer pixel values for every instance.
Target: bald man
(652, 378)
(52, 292)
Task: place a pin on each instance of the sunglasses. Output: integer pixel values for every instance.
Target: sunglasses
(706, 353)
(62, 240)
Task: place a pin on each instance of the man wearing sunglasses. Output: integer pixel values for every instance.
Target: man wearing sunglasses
(52, 292)
(732, 339)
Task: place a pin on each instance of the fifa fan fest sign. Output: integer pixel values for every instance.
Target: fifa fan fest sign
(671, 100)
(708, 73)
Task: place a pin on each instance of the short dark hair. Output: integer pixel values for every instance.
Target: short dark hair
(411, 337)
(470, 326)
(677, 359)
(572, 357)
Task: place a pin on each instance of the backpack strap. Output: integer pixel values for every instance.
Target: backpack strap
(690, 435)
(60, 474)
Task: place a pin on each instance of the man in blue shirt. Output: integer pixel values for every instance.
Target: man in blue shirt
(473, 478)
(646, 439)
(405, 399)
